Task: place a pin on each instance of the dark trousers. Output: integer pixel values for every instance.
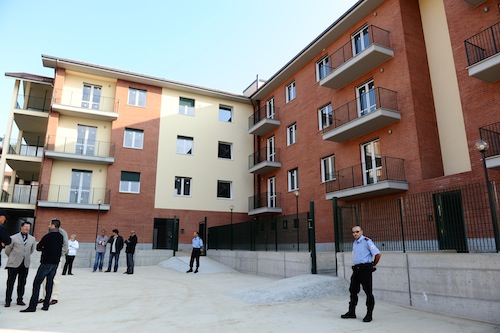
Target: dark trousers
(130, 263)
(112, 255)
(362, 277)
(195, 255)
(68, 265)
(44, 271)
(21, 273)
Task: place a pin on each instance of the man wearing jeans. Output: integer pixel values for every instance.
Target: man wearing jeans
(51, 247)
(114, 252)
(100, 250)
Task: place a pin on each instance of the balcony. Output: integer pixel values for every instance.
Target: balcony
(20, 196)
(352, 61)
(264, 161)
(264, 203)
(80, 150)
(64, 196)
(24, 159)
(370, 112)
(264, 121)
(72, 102)
(359, 182)
(491, 134)
(475, 3)
(483, 54)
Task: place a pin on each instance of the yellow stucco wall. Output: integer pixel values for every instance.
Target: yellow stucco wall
(445, 90)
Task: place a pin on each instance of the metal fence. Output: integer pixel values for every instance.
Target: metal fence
(283, 233)
(454, 219)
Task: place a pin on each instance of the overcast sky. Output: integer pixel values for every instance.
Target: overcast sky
(219, 44)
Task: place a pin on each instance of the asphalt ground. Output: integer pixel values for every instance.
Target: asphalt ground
(164, 298)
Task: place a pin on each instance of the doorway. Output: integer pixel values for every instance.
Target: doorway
(450, 221)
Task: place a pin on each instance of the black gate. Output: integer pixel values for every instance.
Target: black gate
(166, 233)
(450, 221)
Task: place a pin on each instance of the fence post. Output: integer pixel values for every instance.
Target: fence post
(312, 238)
(336, 224)
(400, 201)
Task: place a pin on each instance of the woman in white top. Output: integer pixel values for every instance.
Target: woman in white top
(70, 256)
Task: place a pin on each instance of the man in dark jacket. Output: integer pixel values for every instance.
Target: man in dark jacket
(130, 243)
(4, 235)
(116, 242)
(51, 247)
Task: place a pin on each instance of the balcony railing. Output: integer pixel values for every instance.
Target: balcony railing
(376, 35)
(483, 44)
(264, 200)
(378, 98)
(21, 194)
(491, 134)
(74, 98)
(33, 103)
(264, 120)
(81, 147)
(390, 168)
(74, 195)
(25, 150)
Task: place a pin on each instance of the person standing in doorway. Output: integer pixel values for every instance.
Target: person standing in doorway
(100, 250)
(197, 243)
(18, 263)
(114, 252)
(73, 246)
(130, 244)
(365, 257)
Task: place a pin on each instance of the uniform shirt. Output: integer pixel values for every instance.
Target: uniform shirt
(363, 250)
(197, 243)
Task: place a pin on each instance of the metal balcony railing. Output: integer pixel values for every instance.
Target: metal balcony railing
(24, 149)
(74, 195)
(388, 168)
(76, 98)
(376, 36)
(265, 199)
(491, 134)
(263, 113)
(483, 44)
(374, 99)
(32, 103)
(263, 155)
(21, 194)
(79, 146)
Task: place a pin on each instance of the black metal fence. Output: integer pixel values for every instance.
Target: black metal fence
(454, 219)
(283, 233)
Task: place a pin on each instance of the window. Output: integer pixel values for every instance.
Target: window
(225, 150)
(271, 149)
(270, 108)
(182, 186)
(290, 92)
(360, 40)
(366, 98)
(184, 145)
(325, 116)
(223, 189)
(137, 97)
(85, 142)
(322, 68)
(130, 182)
(186, 106)
(291, 134)
(80, 186)
(293, 180)
(327, 169)
(372, 162)
(225, 114)
(91, 98)
(271, 192)
(133, 138)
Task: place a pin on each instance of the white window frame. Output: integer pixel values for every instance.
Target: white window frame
(94, 96)
(291, 92)
(322, 68)
(328, 169)
(271, 192)
(137, 97)
(293, 180)
(133, 138)
(182, 186)
(325, 116)
(271, 149)
(371, 161)
(291, 134)
(365, 98)
(86, 140)
(219, 182)
(187, 110)
(270, 110)
(81, 182)
(129, 186)
(185, 145)
(360, 40)
(230, 150)
(223, 110)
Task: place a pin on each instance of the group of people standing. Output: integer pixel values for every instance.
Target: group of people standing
(116, 246)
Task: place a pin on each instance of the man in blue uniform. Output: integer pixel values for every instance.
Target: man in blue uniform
(365, 257)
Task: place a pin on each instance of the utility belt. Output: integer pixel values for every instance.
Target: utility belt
(367, 266)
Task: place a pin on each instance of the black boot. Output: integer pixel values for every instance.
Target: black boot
(351, 314)
(368, 316)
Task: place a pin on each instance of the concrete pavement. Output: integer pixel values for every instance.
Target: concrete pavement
(164, 298)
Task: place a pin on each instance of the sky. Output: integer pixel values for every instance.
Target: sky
(218, 44)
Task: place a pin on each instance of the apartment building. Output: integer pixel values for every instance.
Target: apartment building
(106, 148)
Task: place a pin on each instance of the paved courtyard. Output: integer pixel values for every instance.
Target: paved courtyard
(218, 299)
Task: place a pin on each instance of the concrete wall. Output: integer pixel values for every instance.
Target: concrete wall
(464, 285)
